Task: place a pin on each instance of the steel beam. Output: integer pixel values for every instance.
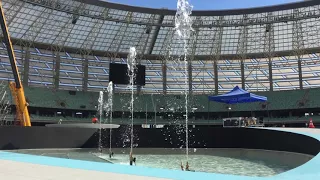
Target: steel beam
(300, 72)
(164, 78)
(155, 35)
(270, 75)
(190, 76)
(85, 67)
(298, 45)
(26, 63)
(57, 71)
(216, 77)
(243, 81)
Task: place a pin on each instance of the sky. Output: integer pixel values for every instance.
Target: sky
(204, 4)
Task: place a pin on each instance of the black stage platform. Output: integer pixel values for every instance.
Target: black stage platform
(200, 137)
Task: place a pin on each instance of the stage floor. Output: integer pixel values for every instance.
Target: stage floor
(299, 130)
(15, 166)
(11, 170)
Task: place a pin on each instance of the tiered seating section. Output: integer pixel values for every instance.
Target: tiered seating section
(76, 101)
(279, 100)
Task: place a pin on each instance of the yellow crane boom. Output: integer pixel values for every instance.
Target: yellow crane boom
(16, 86)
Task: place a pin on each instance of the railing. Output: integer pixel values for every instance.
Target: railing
(124, 121)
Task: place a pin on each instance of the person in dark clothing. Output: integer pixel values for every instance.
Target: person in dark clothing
(181, 166)
(187, 166)
(111, 154)
(132, 159)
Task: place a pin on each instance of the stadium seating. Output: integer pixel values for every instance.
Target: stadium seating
(278, 100)
(87, 101)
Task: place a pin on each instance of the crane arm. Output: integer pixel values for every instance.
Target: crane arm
(16, 86)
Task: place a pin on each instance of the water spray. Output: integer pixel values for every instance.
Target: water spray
(183, 27)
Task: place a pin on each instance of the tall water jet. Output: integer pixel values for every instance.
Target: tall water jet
(183, 27)
(109, 110)
(131, 63)
(100, 110)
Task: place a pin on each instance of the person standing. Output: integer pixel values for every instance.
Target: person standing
(94, 120)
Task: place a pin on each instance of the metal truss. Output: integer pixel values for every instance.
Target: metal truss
(193, 41)
(166, 55)
(242, 48)
(298, 45)
(254, 69)
(216, 53)
(13, 7)
(269, 48)
(37, 25)
(115, 45)
(5, 102)
(88, 43)
(87, 48)
(141, 46)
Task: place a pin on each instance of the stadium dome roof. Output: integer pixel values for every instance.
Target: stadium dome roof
(238, 41)
(203, 4)
(108, 27)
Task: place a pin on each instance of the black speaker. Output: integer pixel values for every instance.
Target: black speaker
(118, 74)
(140, 75)
(72, 93)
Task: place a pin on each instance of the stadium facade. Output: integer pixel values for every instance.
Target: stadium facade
(69, 45)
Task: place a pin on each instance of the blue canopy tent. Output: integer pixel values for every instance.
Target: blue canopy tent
(238, 95)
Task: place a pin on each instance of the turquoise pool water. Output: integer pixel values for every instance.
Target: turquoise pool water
(167, 159)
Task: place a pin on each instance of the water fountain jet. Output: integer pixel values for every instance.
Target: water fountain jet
(109, 110)
(131, 63)
(100, 110)
(183, 27)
